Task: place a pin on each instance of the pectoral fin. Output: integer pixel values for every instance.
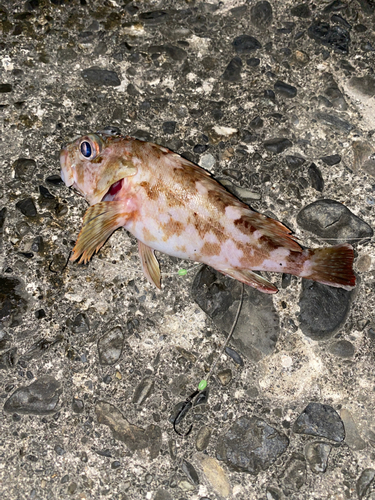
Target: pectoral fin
(150, 265)
(252, 279)
(99, 222)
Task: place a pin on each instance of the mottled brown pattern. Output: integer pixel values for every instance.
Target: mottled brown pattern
(172, 228)
(210, 249)
(97, 160)
(151, 191)
(148, 236)
(243, 224)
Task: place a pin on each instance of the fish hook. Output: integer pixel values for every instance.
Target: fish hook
(183, 410)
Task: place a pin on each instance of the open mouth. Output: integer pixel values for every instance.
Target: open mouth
(113, 190)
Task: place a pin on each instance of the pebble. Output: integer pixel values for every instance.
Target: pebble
(363, 156)
(257, 122)
(317, 455)
(100, 77)
(364, 482)
(244, 44)
(162, 494)
(277, 145)
(154, 17)
(110, 346)
(207, 161)
(234, 355)
(8, 359)
(257, 328)
(331, 160)
(190, 472)
(285, 90)
(261, 15)
(81, 324)
(301, 10)
(143, 391)
(342, 349)
(334, 122)
(316, 178)
(352, 436)
(134, 437)
(27, 207)
(169, 127)
(320, 420)
(294, 161)
(334, 222)
(5, 88)
(253, 62)
(232, 72)
(334, 37)
(13, 302)
(214, 474)
(250, 445)
(294, 475)
(225, 376)
(78, 405)
(39, 398)
(323, 309)
(203, 438)
(364, 84)
(24, 168)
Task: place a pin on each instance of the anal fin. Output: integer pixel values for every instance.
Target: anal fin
(252, 279)
(150, 265)
(99, 222)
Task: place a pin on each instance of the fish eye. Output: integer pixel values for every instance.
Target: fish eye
(86, 149)
(89, 147)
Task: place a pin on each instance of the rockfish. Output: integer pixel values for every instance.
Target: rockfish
(173, 206)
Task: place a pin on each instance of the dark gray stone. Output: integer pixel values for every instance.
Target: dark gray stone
(24, 168)
(190, 472)
(39, 398)
(285, 90)
(13, 302)
(110, 346)
(27, 207)
(81, 324)
(232, 72)
(323, 309)
(277, 145)
(367, 6)
(334, 122)
(78, 405)
(169, 127)
(261, 15)
(100, 77)
(334, 222)
(316, 178)
(294, 161)
(234, 355)
(334, 37)
(5, 88)
(322, 421)
(342, 349)
(364, 482)
(153, 17)
(257, 328)
(256, 122)
(331, 160)
(301, 10)
(244, 44)
(317, 456)
(250, 445)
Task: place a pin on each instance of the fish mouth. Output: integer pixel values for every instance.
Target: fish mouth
(113, 190)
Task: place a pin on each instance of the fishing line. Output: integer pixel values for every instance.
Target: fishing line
(188, 403)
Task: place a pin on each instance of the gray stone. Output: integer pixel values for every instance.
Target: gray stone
(323, 309)
(352, 436)
(39, 398)
(364, 84)
(257, 328)
(335, 37)
(143, 391)
(203, 438)
(364, 482)
(342, 349)
(24, 168)
(334, 222)
(232, 72)
(317, 454)
(110, 346)
(250, 445)
(285, 90)
(277, 145)
(27, 207)
(245, 44)
(334, 122)
(294, 476)
(100, 77)
(316, 178)
(320, 420)
(261, 15)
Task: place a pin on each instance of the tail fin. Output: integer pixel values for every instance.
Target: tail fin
(333, 266)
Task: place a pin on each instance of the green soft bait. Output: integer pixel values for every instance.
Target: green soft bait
(182, 272)
(202, 385)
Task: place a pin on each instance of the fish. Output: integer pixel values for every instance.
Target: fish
(173, 206)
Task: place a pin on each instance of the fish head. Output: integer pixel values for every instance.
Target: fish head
(93, 163)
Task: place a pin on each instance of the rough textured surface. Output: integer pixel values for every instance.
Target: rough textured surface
(276, 99)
